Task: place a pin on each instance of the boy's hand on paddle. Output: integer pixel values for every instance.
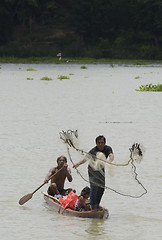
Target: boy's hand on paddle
(46, 181)
(65, 166)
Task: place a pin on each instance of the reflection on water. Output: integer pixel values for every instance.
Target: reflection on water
(98, 100)
(97, 228)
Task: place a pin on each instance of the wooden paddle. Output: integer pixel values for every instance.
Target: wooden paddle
(27, 197)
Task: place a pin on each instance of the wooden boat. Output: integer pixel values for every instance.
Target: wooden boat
(55, 204)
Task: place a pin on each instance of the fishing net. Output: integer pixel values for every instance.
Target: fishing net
(120, 177)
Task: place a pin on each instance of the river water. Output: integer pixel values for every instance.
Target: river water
(98, 100)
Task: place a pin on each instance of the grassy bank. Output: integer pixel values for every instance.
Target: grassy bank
(77, 60)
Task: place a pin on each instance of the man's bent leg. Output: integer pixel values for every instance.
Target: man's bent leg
(52, 190)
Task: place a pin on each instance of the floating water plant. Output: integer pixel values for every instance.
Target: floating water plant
(62, 77)
(71, 73)
(31, 69)
(83, 67)
(150, 88)
(46, 78)
(30, 78)
(137, 77)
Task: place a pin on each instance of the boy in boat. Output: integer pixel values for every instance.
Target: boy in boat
(80, 204)
(97, 178)
(61, 172)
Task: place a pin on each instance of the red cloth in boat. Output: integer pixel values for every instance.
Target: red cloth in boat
(69, 201)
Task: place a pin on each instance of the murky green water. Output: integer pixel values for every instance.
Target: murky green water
(98, 100)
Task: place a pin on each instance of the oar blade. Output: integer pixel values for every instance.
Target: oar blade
(25, 198)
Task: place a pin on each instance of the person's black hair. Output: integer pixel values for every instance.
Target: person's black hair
(62, 157)
(85, 191)
(100, 137)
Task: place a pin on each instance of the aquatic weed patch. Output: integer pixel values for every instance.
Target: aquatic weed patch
(150, 88)
(83, 67)
(62, 77)
(31, 69)
(30, 78)
(46, 78)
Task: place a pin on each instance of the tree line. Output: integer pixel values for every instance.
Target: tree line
(90, 28)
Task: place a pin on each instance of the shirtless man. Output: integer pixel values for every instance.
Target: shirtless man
(61, 173)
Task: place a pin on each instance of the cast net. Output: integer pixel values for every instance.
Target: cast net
(120, 177)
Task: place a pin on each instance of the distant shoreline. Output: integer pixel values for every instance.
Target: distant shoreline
(55, 60)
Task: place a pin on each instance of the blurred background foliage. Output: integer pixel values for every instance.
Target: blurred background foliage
(87, 28)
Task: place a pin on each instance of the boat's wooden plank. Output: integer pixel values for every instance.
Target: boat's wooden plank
(54, 203)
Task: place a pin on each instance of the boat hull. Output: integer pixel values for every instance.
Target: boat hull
(55, 204)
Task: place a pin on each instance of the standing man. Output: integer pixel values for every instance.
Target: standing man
(97, 178)
(61, 172)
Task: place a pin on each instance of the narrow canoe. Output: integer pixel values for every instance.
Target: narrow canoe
(55, 204)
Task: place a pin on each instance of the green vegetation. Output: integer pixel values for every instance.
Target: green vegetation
(71, 73)
(31, 69)
(62, 77)
(97, 29)
(137, 77)
(30, 78)
(151, 88)
(83, 67)
(35, 60)
(46, 78)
